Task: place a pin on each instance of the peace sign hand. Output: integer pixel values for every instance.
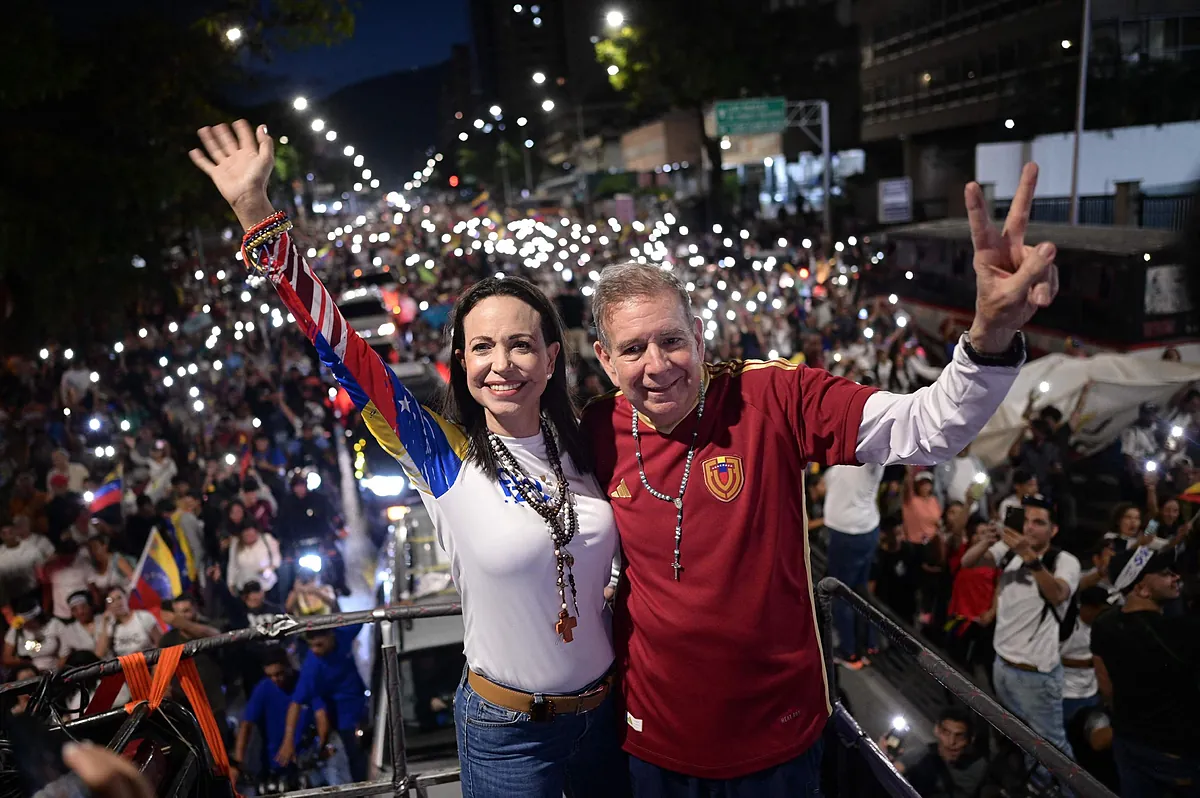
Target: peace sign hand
(238, 161)
(1012, 280)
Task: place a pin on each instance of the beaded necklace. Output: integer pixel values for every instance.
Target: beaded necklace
(562, 531)
(687, 472)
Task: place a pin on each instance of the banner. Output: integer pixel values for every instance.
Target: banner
(1121, 382)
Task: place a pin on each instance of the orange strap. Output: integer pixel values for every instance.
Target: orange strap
(137, 673)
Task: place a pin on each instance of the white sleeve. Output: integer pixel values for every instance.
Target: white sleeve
(935, 423)
(146, 620)
(998, 550)
(1067, 569)
(10, 637)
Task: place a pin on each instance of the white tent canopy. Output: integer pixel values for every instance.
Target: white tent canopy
(1122, 382)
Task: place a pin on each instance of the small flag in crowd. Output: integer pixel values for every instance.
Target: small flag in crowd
(157, 577)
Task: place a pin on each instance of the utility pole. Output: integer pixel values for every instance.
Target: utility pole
(1080, 105)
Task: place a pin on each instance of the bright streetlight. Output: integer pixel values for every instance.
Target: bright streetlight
(300, 103)
(522, 121)
(479, 124)
(539, 78)
(613, 69)
(548, 105)
(495, 111)
(348, 151)
(614, 19)
(529, 144)
(462, 136)
(234, 35)
(318, 125)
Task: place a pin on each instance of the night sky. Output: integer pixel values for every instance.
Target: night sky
(389, 36)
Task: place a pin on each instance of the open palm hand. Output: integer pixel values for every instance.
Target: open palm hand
(1012, 280)
(239, 162)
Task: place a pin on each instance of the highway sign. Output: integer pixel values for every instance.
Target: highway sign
(751, 117)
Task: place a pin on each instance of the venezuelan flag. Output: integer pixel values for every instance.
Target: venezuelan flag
(157, 577)
(185, 552)
(482, 204)
(105, 496)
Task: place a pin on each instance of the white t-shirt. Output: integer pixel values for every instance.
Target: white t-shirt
(76, 475)
(851, 498)
(42, 646)
(502, 562)
(16, 567)
(133, 635)
(1138, 442)
(1024, 634)
(68, 580)
(1079, 682)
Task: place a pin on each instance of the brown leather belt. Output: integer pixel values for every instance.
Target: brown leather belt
(1021, 666)
(1077, 663)
(539, 707)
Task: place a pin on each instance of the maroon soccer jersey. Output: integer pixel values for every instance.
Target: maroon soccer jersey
(722, 671)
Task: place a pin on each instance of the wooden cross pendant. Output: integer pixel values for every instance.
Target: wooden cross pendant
(564, 626)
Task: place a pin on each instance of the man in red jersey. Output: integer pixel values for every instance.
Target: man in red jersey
(722, 674)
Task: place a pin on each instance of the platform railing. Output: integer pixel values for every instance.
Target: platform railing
(403, 782)
(1060, 766)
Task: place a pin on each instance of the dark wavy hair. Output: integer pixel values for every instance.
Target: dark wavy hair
(557, 403)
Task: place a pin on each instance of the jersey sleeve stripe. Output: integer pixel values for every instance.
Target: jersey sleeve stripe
(427, 446)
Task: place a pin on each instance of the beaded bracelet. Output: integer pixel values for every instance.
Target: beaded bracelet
(272, 227)
(268, 233)
(274, 218)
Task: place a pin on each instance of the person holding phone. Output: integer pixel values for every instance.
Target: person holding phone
(1036, 584)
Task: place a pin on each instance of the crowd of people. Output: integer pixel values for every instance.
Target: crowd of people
(1078, 628)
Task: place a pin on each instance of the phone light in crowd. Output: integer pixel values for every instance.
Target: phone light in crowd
(868, 333)
(300, 103)
(313, 480)
(548, 105)
(318, 125)
(908, 275)
(385, 484)
(125, 425)
(310, 562)
(902, 322)
(1151, 466)
(839, 246)
(981, 478)
(142, 333)
(99, 451)
(230, 459)
(806, 243)
(44, 354)
(899, 724)
(88, 496)
(94, 377)
(94, 424)
(1176, 431)
(851, 240)
(1044, 387)
(66, 411)
(862, 313)
(68, 353)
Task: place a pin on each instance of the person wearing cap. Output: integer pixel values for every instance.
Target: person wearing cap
(1035, 588)
(1148, 668)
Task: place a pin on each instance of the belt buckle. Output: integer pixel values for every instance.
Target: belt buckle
(542, 709)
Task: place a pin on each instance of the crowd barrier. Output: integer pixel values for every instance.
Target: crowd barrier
(403, 782)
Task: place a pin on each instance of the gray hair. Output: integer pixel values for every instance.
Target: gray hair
(632, 280)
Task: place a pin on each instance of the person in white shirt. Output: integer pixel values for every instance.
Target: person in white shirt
(33, 637)
(505, 474)
(18, 560)
(80, 635)
(124, 631)
(1080, 688)
(1032, 598)
(60, 463)
(852, 518)
(253, 557)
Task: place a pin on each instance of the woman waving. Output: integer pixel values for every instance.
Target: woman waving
(505, 477)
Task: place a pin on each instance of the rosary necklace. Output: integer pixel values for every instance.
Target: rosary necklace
(562, 531)
(687, 472)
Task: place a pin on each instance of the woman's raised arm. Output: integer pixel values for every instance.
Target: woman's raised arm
(430, 449)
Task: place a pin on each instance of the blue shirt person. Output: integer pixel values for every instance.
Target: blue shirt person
(268, 707)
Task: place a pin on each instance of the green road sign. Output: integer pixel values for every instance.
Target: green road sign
(751, 117)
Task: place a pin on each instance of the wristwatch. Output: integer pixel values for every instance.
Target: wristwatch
(1009, 358)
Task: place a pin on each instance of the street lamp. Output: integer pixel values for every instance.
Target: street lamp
(234, 35)
(479, 124)
(539, 78)
(318, 125)
(462, 136)
(613, 69)
(548, 106)
(348, 151)
(300, 103)
(522, 121)
(614, 19)
(495, 111)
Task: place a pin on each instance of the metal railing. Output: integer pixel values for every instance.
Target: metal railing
(1056, 762)
(402, 782)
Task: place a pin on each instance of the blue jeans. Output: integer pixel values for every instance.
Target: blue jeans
(1146, 772)
(505, 754)
(795, 778)
(1073, 705)
(1035, 698)
(850, 558)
